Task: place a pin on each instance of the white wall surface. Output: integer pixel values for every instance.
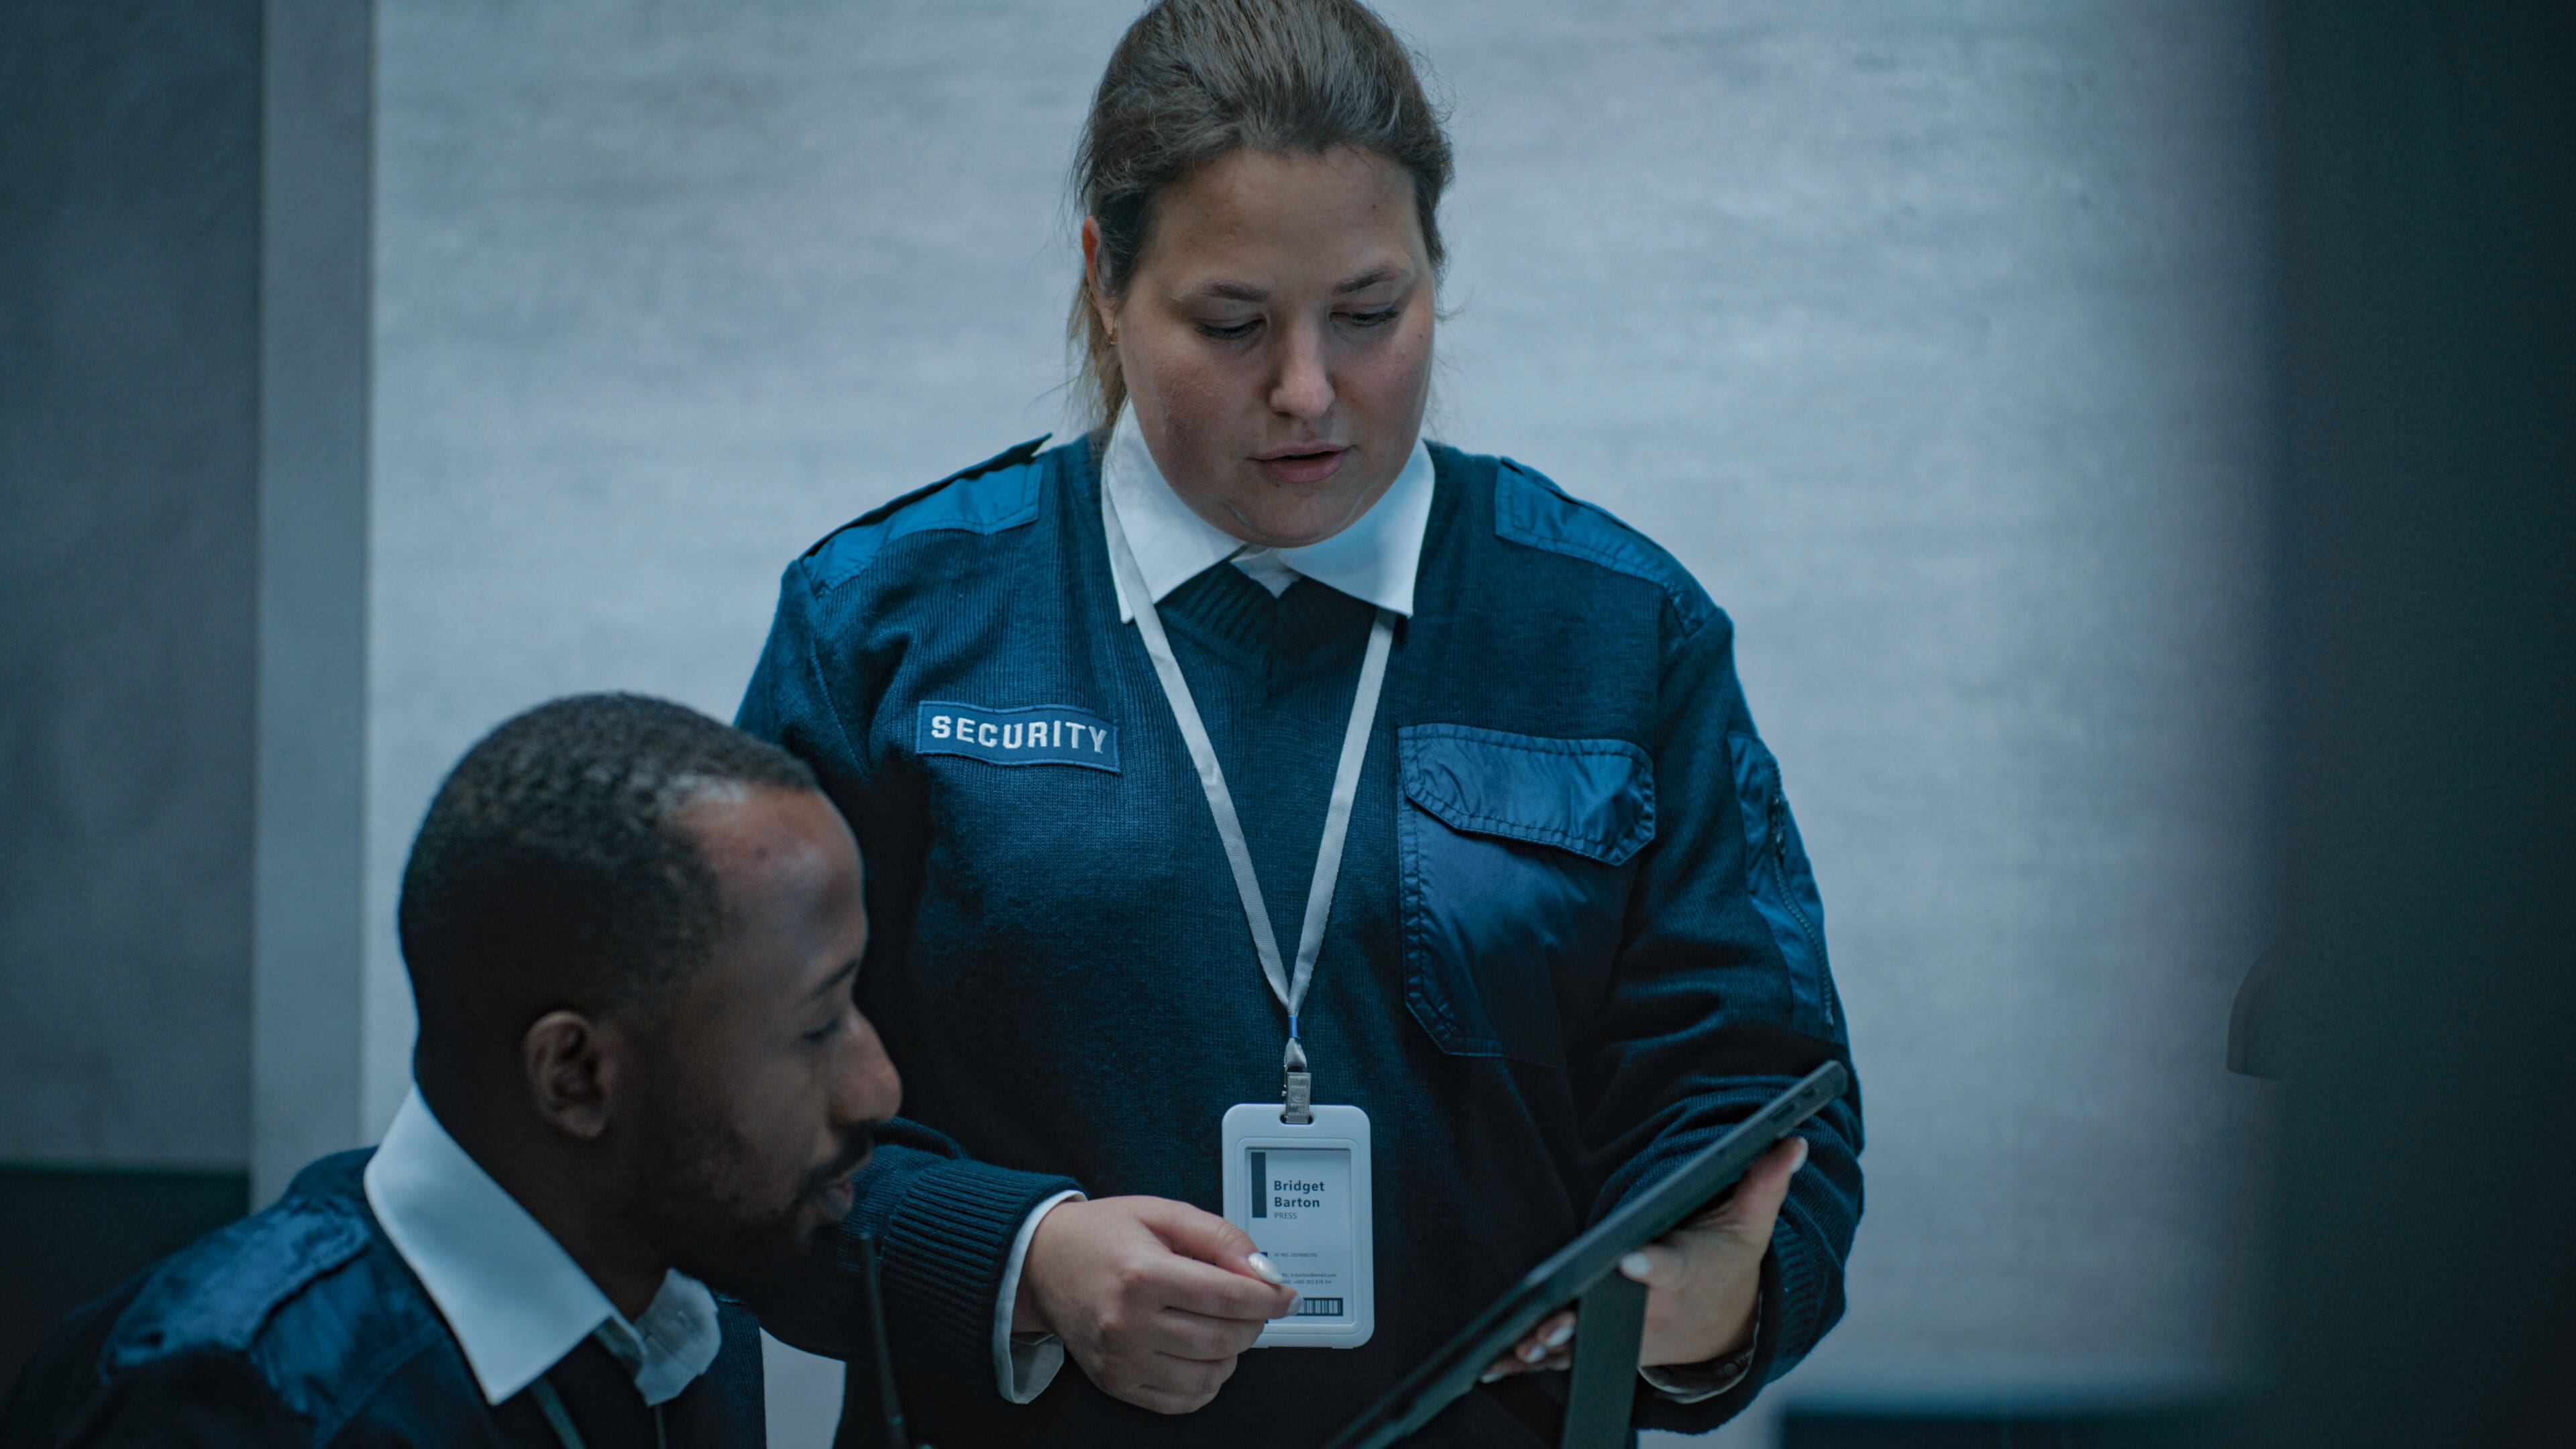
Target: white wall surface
(1926, 333)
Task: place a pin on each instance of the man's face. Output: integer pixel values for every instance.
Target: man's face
(763, 1083)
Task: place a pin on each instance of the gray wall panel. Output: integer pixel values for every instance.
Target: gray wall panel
(1927, 335)
(666, 292)
(129, 293)
(308, 982)
(1930, 338)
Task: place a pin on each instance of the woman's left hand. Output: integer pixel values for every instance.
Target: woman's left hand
(1703, 1279)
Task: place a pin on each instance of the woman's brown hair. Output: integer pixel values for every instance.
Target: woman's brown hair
(1193, 80)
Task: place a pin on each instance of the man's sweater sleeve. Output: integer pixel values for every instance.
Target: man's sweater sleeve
(1721, 998)
(943, 1222)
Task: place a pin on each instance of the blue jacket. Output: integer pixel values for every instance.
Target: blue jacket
(1575, 935)
(300, 1325)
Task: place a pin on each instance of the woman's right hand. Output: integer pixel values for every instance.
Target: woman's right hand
(1154, 1298)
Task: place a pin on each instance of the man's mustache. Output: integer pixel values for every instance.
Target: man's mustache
(856, 1148)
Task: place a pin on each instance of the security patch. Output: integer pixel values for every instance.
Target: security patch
(1037, 734)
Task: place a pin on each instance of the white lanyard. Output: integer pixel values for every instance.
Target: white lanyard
(1291, 990)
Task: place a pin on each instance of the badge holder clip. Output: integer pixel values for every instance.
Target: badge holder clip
(1299, 1097)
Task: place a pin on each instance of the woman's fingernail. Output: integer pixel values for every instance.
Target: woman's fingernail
(1260, 1263)
(1563, 1335)
(1489, 1375)
(1533, 1354)
(1636, 1266)
(1802, 1153)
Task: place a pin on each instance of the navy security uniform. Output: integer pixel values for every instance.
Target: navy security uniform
(301, 1325)
(1575, 933)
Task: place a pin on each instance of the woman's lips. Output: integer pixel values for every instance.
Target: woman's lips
(1303, 467)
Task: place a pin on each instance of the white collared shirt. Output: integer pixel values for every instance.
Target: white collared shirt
(513, 1297)
(1375, 560)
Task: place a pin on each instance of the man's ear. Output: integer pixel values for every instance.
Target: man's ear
(571, 1071)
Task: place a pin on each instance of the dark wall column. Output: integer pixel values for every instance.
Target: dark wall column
(2427, 1291)
(129, 297)
(129, 494)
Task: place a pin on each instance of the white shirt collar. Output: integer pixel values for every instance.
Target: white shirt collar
(515, 1300)
(1373, 560)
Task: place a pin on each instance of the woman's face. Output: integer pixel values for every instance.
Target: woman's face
(1276, 339)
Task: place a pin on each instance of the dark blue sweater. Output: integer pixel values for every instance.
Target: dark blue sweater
(1575, 933)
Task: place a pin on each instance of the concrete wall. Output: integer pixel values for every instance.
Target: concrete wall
(1926, 333)
(129, 296)
(1930, 337)
(317, 129)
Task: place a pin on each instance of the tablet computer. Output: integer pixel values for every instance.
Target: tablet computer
(1564, 1276)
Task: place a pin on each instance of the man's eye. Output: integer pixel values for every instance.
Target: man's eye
(1378, 318)
(824, 1032)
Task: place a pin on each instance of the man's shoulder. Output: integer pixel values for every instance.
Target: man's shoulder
(222, 1291)
(1532, 511)
(305, 1298)
(993, 497)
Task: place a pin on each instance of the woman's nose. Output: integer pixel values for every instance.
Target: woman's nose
(1303, 387)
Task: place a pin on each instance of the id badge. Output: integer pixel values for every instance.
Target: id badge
(1301, 1189)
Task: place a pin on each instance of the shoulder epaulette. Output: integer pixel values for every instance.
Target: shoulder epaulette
(845, 550)
(217, 1293)
(1530, 509)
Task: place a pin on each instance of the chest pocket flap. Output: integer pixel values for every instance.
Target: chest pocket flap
(1512, 851)
(1593, 797)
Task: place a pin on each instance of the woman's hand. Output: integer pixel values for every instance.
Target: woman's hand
(1154, 1298)
(1702, 1279)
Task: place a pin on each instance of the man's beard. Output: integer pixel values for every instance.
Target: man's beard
(697, 1200)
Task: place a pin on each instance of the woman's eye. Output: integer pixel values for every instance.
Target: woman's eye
(1228, 332)
(824, 1032)
(1378, 318)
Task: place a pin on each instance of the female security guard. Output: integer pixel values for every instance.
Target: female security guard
(1252, 733)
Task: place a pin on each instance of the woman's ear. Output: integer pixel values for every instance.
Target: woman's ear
(571, 1073)
(1091, 286)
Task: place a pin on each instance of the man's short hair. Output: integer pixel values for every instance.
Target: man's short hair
(551, 871)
